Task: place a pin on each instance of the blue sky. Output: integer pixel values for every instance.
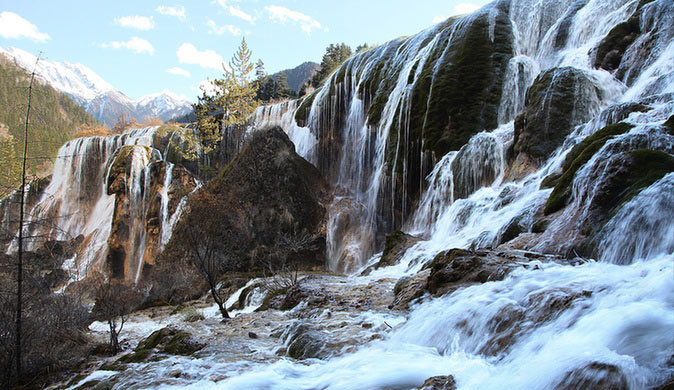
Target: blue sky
(144, 47)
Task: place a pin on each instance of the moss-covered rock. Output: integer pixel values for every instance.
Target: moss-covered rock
(302, 112)
(397, 243)
(610, 51)
(646, 167)
(459, 88)
(304, 342)
(136, 356)
(558, 100)
(166, 340)
(576, 158)
(182, 343)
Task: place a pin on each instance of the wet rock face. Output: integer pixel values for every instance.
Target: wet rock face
(407, 289)
(457, 267)
(444, 382)
(559, 100)
(137, 219)
(626, 49)
(600, 376)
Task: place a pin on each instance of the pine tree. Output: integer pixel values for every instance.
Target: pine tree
(238, 94)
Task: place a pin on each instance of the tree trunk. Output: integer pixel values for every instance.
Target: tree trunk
(114, 341)
(218, 301)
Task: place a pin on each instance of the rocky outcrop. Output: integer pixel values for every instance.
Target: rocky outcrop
(575, 159)
(397, 243)
(264, 210)
(458, 268)
(625, 50)
(409, 288)
(559, 100)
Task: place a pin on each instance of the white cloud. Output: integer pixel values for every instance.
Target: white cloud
(285, 15)
(136, 21)
(236, 11)
(178, 12)
(219, 30)
(188, 54)
(439, 19)
(179, 71)
(135, 44)
(13, 26)
(465, 8)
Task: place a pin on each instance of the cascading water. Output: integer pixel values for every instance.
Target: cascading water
(77, 201)
(617, 315)
(547, 325)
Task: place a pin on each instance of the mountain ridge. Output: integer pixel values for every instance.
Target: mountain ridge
(102, 100)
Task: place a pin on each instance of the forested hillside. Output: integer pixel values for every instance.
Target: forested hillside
(297, 76)
(54, 119)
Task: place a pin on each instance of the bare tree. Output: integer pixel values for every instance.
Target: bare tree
(115, 301)
(205, 242)
(280, 266)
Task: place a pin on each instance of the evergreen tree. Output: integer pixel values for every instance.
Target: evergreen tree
(335, 55)
(234, 100)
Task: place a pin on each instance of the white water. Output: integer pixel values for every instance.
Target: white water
(77, 194)
(539, 324)
(620, 310)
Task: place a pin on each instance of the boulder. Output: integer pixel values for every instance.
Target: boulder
(166, 340)
(459, 267)
(443, 382)
(600, 376)
(303, 342)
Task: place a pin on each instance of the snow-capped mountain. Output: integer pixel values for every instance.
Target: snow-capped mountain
(103, 101)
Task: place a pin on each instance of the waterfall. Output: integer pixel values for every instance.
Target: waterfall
(545, 325)
(76, 201)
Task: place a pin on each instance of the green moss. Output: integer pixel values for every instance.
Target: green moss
(648, 166)
(136, 357)
(181, 344)
(618, 40)
(577, 157)
(392, 240)
(302, 113)
(550, 181)
(459, 88)
(669, 124)
(601, 135)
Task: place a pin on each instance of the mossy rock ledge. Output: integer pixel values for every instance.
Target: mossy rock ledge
(558, 100)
